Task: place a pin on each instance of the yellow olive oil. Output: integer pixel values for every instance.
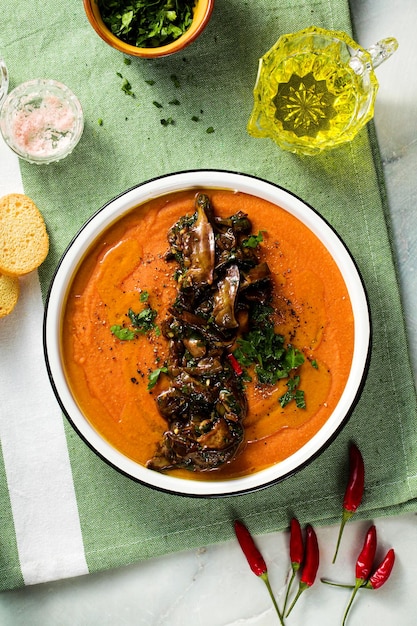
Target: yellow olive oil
(316, 97)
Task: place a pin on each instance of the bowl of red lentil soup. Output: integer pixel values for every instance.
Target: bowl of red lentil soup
(159, 30)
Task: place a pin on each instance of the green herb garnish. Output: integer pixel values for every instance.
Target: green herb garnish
(265, 349)
(147, 24)
(154, 376)
(141, 323)
(175, 80)
(293, 394)
(126, 87)
(254, 240)
(122, 333)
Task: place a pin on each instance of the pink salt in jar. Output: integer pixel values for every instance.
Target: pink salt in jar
(42, 121)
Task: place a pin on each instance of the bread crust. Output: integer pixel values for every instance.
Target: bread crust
(9, 294)
(24, 241)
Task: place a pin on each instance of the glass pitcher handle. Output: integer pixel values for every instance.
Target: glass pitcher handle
(379, 52)
(382, 50)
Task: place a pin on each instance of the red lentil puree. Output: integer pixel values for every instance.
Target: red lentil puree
(109, 377)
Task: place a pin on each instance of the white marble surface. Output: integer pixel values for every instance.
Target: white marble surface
(213, 586)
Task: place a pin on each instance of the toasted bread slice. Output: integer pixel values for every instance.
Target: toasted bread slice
(9, 294)
(24, 242)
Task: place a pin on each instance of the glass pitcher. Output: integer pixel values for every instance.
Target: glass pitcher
(316, 89)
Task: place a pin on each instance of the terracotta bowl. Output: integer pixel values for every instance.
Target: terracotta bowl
(202, 13)
(116, 209)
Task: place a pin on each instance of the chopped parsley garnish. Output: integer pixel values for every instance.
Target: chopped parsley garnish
(141, 323)
(210, 130)
(265, 350)
(154, 376)
(293, 394)
(122, 333)
(254, 240)
(147, 24)
(126, 86)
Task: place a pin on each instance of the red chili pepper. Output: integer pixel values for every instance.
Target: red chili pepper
(235, 364)
(296, 554)
(311, 564)
(363, 566)
(296, 544)
(366, 557)
(254, 557)
(255, 560)
(354, 490)
(382, 573)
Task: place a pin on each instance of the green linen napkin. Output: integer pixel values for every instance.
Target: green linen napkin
(122, 521)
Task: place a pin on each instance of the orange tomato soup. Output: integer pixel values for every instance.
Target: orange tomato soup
(109, 377)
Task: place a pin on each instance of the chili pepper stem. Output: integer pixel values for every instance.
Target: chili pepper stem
(345, 517)
(302, 587)
(333, 584)
(265, 578)
(294, 571)
(358, 585)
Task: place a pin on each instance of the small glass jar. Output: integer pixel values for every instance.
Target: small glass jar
(4, 81)
(41, 121)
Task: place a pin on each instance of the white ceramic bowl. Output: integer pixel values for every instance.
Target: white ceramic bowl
(122, 205)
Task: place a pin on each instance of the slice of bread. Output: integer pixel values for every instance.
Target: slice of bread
(9, 294)
(24, 242)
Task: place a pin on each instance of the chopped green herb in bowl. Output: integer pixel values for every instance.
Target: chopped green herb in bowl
(148, 28)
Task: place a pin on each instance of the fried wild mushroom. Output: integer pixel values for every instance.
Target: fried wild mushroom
(218, 277)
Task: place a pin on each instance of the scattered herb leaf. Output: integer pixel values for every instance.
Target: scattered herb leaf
(210, 130)
(254, 240)
(154, 376)
(143, 321)
(127, 87)
(293, 393)
(122, 333)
